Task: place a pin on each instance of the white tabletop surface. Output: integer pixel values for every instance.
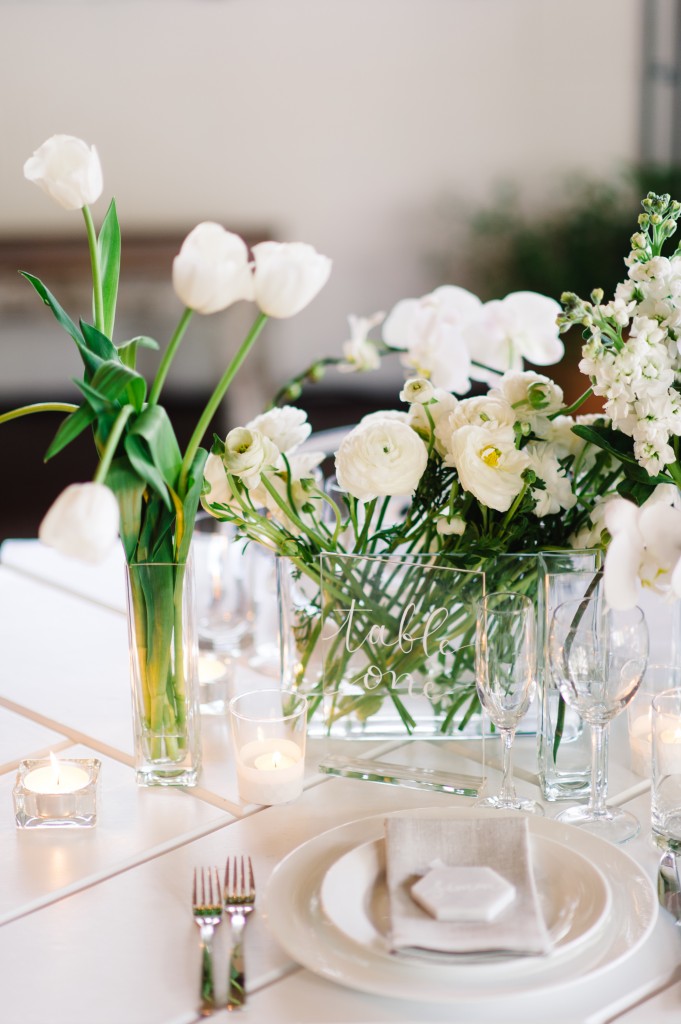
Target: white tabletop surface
(95, 925)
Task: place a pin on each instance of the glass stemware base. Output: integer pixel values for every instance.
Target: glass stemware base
(613, 824)
(518, 804)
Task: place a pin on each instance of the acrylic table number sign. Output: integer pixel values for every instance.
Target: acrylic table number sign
(397, 639)
(50, 793)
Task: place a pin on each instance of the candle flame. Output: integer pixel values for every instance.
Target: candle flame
(54, 761)
(276, 759)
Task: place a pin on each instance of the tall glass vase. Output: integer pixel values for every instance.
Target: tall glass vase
(163, 673)
(563, 739)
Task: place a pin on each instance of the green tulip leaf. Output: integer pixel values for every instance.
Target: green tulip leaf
(127, 351)
(153, 450)
(70, 428)
(129, 489)
(190, 503)
(109, 247)
(98, 343)
(49, 300)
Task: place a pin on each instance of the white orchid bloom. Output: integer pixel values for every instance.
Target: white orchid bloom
(82, 522)
(645, 550)
(211, 270)
(68, 170)
(429, 329)
(507, 331)
(359, 352)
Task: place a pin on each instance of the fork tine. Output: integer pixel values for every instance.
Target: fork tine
(251, 880)
(194, 889)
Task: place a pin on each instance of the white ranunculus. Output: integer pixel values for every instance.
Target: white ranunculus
(645, 549)
(380, 458)
(450, 525)
(521, 326)
(211, 270)
(533, 397)
(488, 463)
(220, 493)
(418, 390)
(247, 453)
(442, 403)
(386, 414)
(429, 329)
(286, 427)
(83, 522)
(288, 275)
(68, 170)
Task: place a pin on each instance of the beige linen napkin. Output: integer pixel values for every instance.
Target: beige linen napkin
(494, 840)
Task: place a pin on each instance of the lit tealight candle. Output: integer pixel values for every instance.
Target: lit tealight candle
(668, 747)
(57, 777)
(640, 743)
(270, 771)
(210, 669)
(272, 762)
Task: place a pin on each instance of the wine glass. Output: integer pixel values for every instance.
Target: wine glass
(505, 675)
(598, 657)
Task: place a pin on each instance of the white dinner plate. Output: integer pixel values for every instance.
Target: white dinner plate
(573, 895)
(298, 922)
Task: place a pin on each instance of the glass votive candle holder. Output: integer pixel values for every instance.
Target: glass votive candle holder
(269, 728)
(658, 677)
(51, 793)
(666, 790)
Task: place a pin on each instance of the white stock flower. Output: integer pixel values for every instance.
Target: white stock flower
(247, 453)
(379, 458)
(286, 427)
(533, 398)
(489, 465)
(428, 330)
(521, 326)
(83, 522)
(557, 492)
(418, 390)
(359, 352)
(288, 275)
(68, 170)
(645, 549)
(211, 270)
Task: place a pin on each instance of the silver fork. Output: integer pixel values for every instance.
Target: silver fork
(207, 911)
(239, 898)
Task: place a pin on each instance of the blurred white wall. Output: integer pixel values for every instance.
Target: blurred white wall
(336, 122)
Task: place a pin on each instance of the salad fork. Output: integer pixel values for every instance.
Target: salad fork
(239, 900)
(207, 911)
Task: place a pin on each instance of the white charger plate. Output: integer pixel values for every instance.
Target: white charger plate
(573, 894)
(296, 918)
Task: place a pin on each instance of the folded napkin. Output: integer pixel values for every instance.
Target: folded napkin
(501, 842)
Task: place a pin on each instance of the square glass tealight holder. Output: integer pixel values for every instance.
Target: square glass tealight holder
(45, 797)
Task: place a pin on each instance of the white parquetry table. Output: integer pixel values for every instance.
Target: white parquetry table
(95, 925)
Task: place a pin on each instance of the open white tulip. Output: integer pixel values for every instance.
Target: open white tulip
(211, 270)
(82, 522)
(288, 275)
(68, 170)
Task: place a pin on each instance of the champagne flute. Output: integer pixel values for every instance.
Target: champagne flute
(505, 675)
(598, 657)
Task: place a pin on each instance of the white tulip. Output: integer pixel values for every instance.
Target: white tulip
(68, 170)
(288, 275)
(211, 270)
(380, 457)
(488, 463)
(83, 522)
(286, 427)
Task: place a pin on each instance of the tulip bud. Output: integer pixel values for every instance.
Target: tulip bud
(82, 522)
(288, 276)
(211, 270)
(68, 170)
